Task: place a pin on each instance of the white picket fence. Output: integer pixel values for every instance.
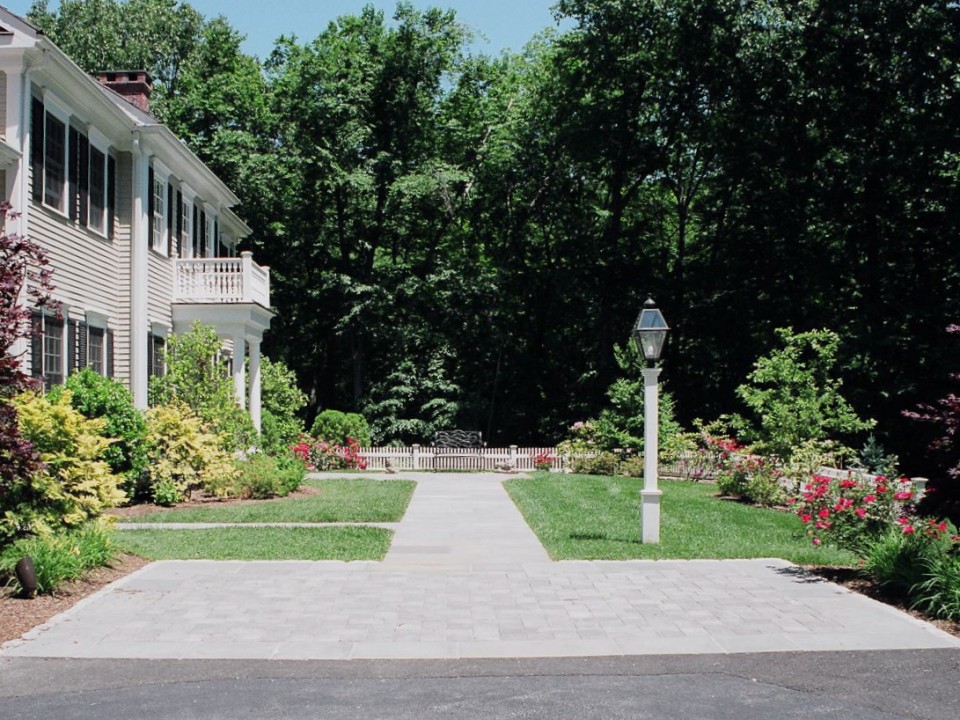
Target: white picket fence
(418, 457)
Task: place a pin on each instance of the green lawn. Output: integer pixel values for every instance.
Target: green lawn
(333, 543)
(596, 518)
(339, 500)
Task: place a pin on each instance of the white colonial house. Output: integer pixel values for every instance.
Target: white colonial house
(140, 233)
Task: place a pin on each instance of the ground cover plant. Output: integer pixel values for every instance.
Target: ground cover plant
(336, 500)
(332, 543)
(589, 517)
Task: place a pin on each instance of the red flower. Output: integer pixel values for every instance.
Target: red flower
(824, 514)
(806, 518)
(903, 495)
(861, 512)
(869, 499)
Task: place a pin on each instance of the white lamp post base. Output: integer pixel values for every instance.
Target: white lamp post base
(650, 516)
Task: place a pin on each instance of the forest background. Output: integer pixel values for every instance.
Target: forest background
(459, 240)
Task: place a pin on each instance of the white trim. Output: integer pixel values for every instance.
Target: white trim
(97, 319)
(160, 211)
(104, 148)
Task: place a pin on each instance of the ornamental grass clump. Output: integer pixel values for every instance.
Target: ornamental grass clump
(60, 557)
(852, 512)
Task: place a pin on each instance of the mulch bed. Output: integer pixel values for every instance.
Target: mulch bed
(18, 615)
(201, 500)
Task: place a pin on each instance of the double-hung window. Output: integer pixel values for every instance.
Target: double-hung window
(159, 219)
(98, 190)
(48, 360)
(96, 350)
(186, 229)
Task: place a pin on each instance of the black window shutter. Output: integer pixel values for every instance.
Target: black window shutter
(82, 338)
(150, 207)
(36, 147)
(216, 239)
(110, 370)
(36, 345)
(71, 347)
(203, 234)
(171, 225)
(111, 195)
(73, 154)
(149, 354)
(180, 238)
(83, 153)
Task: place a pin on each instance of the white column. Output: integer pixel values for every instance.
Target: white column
(139, 277)
(239, 372)
(255, 383)
(246, 280)
(650, 495)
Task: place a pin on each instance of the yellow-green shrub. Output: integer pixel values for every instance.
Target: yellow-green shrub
(183, 457)
(76, 483)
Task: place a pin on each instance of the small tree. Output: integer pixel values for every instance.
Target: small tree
(23, 263)
(794, 395)
(282, 400)
(197, 378)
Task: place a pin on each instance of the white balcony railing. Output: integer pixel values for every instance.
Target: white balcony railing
(222, 280)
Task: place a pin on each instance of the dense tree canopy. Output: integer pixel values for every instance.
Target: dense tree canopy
(462, 240)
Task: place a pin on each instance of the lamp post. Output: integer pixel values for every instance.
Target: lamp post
(649, 335)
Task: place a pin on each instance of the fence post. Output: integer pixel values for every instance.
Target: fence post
(416, 457)
(513, 456)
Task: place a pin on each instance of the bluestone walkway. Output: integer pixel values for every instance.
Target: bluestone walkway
(466, 578)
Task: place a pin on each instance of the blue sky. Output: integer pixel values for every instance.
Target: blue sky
(506, 24)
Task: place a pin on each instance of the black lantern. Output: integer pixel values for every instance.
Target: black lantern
(650, 332)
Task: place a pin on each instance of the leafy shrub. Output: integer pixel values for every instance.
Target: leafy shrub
(196, 377)
(852, 512)
(543, 461)
(320, 455)
(280, 426)
(263, 476)
(604, 463)
(61, 557)
(99, 397)
(75, 484)
(807, 459)
(339, 428)
(631, 466)
(183, 457)
(752, 478)
(794, 395)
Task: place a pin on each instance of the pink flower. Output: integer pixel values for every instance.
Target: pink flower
(816, 541)
(806, 518)
(861, 512)
(903, 495)
(824, 514)
(869, 499)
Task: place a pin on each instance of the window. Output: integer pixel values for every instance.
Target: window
(98, 190)
(155, 349)
(210, 249)
(186, 229)
(54, 162)
(47, 352)
(159, 216)
(96, 350)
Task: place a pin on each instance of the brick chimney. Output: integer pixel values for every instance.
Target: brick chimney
(135, 85)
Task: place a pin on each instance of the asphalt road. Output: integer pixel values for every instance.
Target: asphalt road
(780, 686)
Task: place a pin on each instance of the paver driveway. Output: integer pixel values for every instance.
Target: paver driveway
(465, 577)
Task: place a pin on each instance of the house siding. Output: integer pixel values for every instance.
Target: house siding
(160, 293)
(3, 104)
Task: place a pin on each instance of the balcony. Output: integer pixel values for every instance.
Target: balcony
(221, 281)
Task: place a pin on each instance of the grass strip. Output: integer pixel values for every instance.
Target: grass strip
(339, 500)
(334, 543)
(598, 518)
